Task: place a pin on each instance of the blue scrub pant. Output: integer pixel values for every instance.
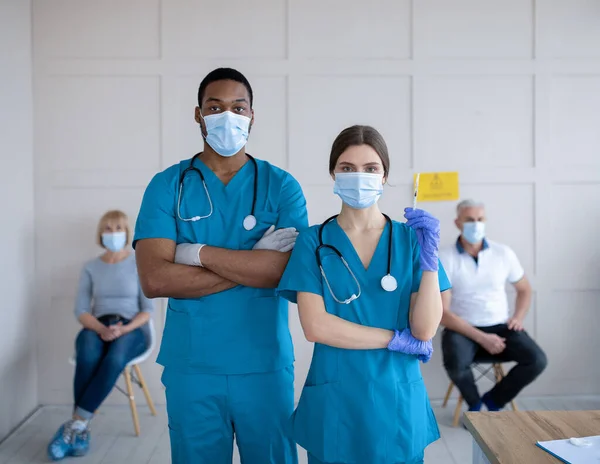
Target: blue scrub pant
(313, 460)
(206, 411)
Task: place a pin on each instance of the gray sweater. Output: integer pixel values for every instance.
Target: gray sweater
(111, 289)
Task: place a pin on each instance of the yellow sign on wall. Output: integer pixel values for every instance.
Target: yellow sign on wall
(437, 186)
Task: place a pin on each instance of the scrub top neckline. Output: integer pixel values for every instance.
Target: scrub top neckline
(382, 238)
(213, 179)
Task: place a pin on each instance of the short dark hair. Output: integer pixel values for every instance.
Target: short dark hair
(224, 74)
(359, 135)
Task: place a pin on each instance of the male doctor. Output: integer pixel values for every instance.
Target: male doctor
(213, 235)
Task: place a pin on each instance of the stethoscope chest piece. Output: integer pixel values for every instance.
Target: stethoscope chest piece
(249, 222)
(389, 283)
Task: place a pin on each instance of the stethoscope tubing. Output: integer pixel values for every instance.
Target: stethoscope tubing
(191, 167)
(388, 282)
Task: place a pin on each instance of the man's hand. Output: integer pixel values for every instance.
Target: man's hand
(492, 343)
(282, 240)
(514, 323)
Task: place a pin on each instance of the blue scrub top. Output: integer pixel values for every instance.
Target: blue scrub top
(362, 405)
(244, 329)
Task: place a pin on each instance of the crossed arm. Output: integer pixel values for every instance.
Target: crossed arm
(223, 269)
(321, 327)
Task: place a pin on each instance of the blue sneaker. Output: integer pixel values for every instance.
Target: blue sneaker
(81, 445)
(476, 408)
(61, 444)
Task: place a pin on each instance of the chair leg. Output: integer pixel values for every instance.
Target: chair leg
(498, 372)
(134, 414)
(138, 372)
(457, 411)
(447, 397)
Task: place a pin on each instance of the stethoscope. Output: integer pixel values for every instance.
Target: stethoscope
(249, 221)
(388, 281)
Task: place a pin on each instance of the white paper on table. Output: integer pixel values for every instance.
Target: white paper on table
(571, 454)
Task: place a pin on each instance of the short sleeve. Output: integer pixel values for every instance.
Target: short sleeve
(515, 270)
(156, 218)
(443, 279)
(446, 260)
(83, 299)
(292, 205)
(417, 273)
(302, 273)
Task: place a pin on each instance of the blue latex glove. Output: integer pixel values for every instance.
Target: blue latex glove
(404, 342)
(428, 234)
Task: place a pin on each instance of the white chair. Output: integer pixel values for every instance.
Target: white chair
(132, 372)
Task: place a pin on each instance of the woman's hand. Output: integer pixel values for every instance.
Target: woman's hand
(106, 334)
(404, 342)
(428, 234)
(113, 332)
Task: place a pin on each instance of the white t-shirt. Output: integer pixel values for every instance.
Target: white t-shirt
(479, 285)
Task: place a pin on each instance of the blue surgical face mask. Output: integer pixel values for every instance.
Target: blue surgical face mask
(227, 133)
(114, 241)
(358, 190)
(473, 232)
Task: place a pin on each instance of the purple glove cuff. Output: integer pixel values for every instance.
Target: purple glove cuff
(429, 262)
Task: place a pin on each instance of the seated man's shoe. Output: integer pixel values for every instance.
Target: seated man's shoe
(476, 408)
(489, 403)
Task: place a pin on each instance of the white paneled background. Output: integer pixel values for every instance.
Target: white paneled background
(506, 92)
(18, 364)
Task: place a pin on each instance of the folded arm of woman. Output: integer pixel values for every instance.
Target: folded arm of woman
(83, 304)
(91, 323)
(321, 327)
(139, 320)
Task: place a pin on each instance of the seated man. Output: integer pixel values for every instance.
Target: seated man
(476, 314)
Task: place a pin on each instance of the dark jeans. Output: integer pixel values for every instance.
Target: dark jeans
(460, 352)
(100, 363)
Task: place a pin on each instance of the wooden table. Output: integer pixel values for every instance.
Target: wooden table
(509, 437)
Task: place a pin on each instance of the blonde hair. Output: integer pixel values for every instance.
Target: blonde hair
(110, 216)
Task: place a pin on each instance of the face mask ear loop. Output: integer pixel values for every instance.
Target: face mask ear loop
(200, 124)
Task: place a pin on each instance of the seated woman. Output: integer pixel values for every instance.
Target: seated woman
(368, 293)
(114, 314)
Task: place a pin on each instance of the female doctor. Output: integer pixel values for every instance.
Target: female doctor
(368, 293)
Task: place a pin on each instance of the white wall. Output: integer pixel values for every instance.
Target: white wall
(507, 92)
(18, 374)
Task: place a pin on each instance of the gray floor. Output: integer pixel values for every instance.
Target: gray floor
(113, 441)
